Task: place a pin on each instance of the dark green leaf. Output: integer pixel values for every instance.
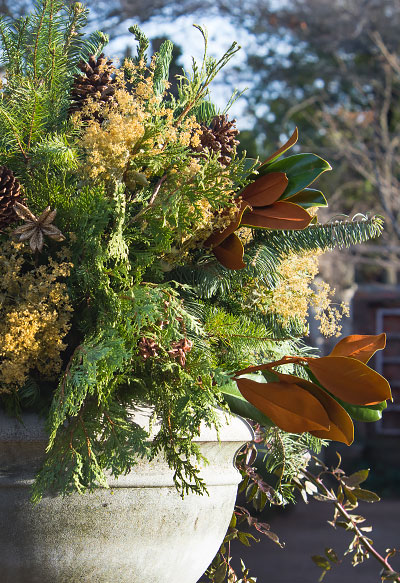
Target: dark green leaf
(322, 498)
(231, 535)
(343, 524)
(379, 406)
(357, 518)
(274, 537)
(301, 170)
(361, 412)
(308, 198)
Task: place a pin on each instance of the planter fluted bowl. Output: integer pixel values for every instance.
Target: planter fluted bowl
(140, 530)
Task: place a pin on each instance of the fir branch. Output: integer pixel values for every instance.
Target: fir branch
(39, 28)
(15, 133)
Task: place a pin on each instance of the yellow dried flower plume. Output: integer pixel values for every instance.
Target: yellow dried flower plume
(35, 315)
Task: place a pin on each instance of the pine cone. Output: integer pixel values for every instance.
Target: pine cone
(179, 349)
(10, 193)
(148, 348)
(219, 137)
(96, 83)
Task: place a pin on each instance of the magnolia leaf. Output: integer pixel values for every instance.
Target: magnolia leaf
(379, 406)
(218, 237)
(301, 170)
(291, 142)
(230, 252)
(341, 426)
(308, 198)
(240, 406)
(288, 405)
(265, 190)
(350, 380)
(360, 347)
(362, 413)
(280, 215)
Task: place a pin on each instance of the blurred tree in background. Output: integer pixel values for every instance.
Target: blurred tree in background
(332, 68)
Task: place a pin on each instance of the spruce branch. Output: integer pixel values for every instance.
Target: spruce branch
(15, 132)
(39, 28)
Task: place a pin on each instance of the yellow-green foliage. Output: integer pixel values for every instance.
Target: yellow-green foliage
(35, 314)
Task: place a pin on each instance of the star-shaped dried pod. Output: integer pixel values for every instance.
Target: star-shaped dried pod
(36, 228)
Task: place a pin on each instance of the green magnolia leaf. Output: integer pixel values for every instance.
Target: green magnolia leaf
(301, 170)
(365, 413)
(360, 412)
(308, 198)
(240, 406)
(379, 406)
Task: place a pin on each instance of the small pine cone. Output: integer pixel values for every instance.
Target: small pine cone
(219, 137)
(10, 193)
(148, 348)
(96, 83)
(179, 349)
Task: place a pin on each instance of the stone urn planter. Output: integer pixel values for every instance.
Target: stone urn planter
(139, 530)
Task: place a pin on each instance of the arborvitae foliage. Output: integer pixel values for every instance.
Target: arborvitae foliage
(147, 314)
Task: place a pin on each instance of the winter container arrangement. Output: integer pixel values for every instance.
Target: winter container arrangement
(153, 282)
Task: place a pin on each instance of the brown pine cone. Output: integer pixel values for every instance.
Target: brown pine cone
(179, 349)
(10, 193)
(219, 137)
(148, 348)
(96, 83)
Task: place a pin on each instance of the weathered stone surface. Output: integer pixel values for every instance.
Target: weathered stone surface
(138, 531)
